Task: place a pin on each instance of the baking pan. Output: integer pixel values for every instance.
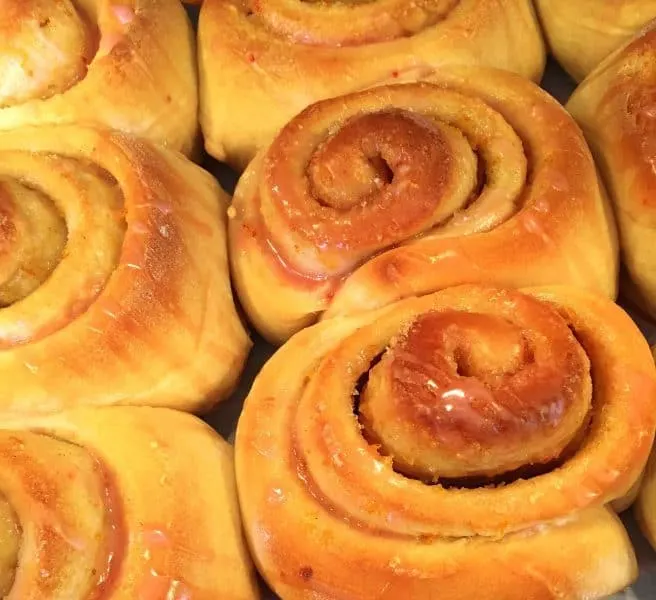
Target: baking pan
(224, 418)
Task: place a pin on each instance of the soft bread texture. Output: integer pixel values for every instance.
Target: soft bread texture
(262, 62)
(119, 504)
(556, 379)
(616, 108)
(361, 200)
(129, 65)
(114, 283)
(584, 32)
(645, 507)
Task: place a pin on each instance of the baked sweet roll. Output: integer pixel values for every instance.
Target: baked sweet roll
(263, 61)
(98, 503)
(127, 64)
(582, 33)
(400, 190)
(114, 283)
(616, 108)
(465, 444)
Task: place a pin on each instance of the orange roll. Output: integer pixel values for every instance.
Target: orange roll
(465, 444)
(582, 33)
(114, 283)
(127, 64)
(263, 61)
(96, 503)
(616, 108)
(361, 200)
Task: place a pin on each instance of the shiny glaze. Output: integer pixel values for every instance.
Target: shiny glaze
(89, 529)
(349, 189)
(165, 558)
(115, 540)
(464, 394)
(58, 535)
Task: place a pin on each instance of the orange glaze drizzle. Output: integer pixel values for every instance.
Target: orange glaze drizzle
(119, 18)
(298, 464)
(164, 555)
(72, 312)
(116, 540)
(257, 232)
(464, 408)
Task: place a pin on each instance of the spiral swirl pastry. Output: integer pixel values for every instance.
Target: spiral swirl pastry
(463, 444)
(582, 33)
(95, 503)
(263, 61)
(127, 64)
(616, 108)
(477, 176)
(114, 284)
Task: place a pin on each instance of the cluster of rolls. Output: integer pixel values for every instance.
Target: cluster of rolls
(459, 409)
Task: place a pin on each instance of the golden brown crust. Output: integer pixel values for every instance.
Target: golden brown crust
(329, 503)
(137, 308)
(127, 65)
(263, 61)
(582, 33)
(103, 506)
(362, 200)
(616, 108)
(645, 507)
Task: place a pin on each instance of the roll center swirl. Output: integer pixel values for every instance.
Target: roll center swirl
(472, 395)
(62, 226)
(32, 238)
(405, 172)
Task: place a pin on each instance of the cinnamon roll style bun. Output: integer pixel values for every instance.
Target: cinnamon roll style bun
(263, 61)
(616, 108)
(582, 33)
(96, 503)
(361, 200)
(465, 444)
(114, 283)
(126, 64)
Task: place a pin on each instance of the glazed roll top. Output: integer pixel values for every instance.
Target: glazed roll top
(114, 283)
(462, 444)
(263, 62)
(616, 108)
(127, 65)
(95, 503)
(581, 34)
(368, 198)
